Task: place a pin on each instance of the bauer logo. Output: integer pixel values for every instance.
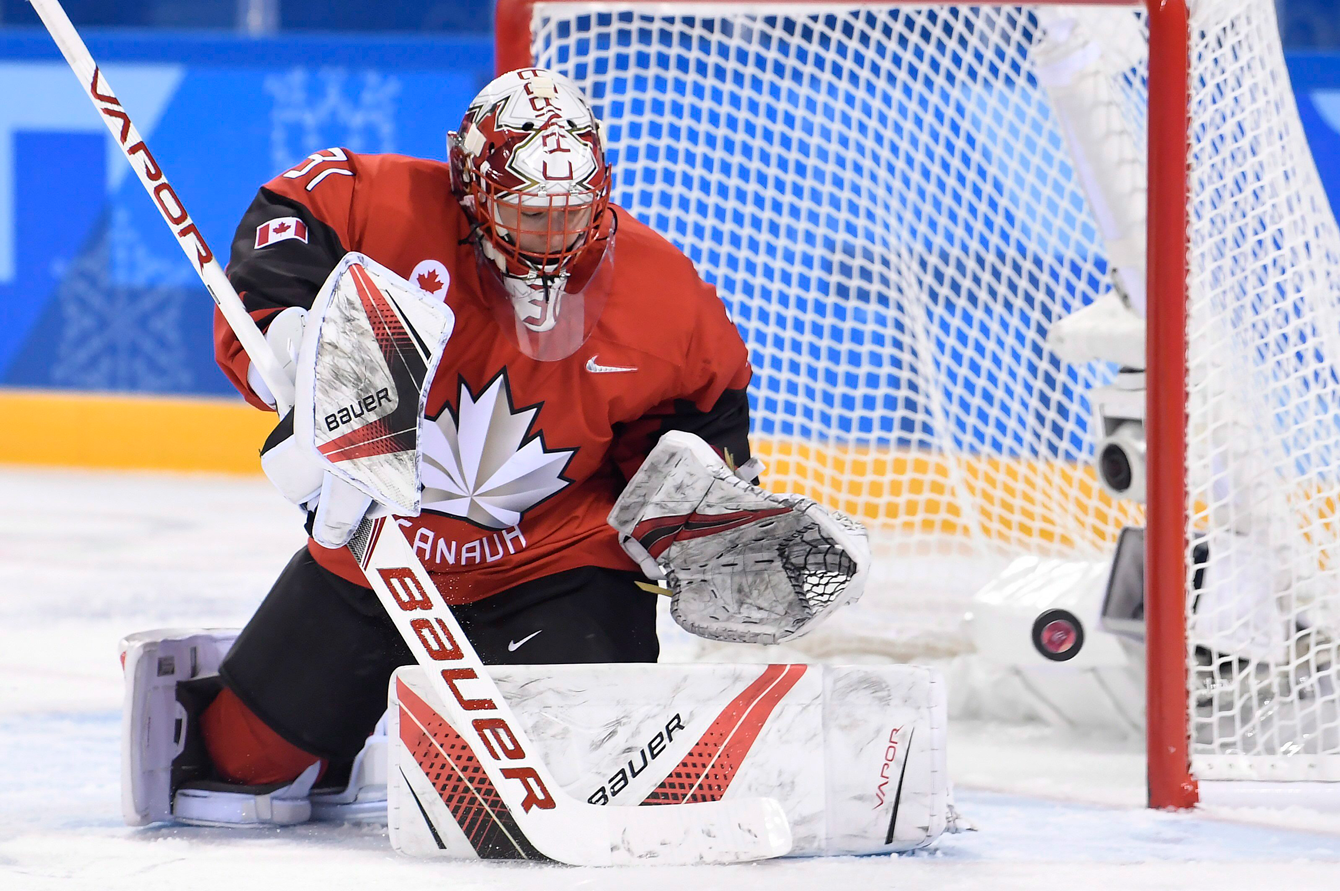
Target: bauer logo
(654, 748)
(364, 406)
(282, 229)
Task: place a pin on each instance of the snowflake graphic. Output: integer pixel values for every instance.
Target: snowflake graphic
(121, 313)
(331, 106)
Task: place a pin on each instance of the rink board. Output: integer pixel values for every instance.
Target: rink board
(222, 435)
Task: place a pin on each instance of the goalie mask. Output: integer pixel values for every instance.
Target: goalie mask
(530, 171)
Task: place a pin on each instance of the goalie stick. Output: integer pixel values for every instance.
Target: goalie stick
(516, 792)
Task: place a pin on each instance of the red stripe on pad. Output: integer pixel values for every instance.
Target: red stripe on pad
(706, 772)
(460, 781)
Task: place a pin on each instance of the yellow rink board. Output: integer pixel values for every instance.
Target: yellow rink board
(126, 432)
(1015, 499)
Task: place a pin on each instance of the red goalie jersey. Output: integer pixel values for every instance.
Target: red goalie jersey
(523, 459)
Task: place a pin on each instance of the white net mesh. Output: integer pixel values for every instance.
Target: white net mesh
(1264, 411)
(886, 201)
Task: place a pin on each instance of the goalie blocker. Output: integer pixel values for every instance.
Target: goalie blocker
(856, 755)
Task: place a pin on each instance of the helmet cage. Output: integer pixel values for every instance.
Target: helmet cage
(531, 172)
(537, 232)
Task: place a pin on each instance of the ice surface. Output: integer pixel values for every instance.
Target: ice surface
(86, 558)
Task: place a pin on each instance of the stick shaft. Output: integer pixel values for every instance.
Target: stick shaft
(188, 235)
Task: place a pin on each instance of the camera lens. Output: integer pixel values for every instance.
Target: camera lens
(1115, 466)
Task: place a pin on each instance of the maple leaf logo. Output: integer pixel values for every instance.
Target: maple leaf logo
(482, 465)
(281, 228)
(430, 282)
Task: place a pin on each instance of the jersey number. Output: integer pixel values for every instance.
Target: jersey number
(321, 157)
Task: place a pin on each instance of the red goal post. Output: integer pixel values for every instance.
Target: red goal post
(1171, 783)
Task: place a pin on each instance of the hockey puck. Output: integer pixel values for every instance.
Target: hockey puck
(1058, 635)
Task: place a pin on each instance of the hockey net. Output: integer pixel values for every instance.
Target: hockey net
(884, 196)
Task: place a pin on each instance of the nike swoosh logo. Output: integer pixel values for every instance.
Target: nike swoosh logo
(512, 646)
(596, 368)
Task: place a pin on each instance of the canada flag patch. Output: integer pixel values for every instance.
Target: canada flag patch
(281, 229)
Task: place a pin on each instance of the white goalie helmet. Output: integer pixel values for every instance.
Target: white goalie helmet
(530, 171)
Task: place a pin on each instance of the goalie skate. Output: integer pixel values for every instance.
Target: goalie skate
(362, 798)
(171, 675)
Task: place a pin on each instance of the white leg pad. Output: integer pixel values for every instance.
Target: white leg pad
(1237, 611)
(855, 755)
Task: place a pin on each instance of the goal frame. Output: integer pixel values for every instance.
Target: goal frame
(1171, 783)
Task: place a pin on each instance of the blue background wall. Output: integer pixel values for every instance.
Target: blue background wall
(1303, 23)
(358, 16)
(94, 292)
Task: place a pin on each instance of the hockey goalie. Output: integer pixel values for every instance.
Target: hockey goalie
(572, 397)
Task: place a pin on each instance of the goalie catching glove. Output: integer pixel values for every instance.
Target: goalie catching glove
(743, 564)
(363, 357)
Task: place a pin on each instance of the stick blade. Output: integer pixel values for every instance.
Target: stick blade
(728, 831)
